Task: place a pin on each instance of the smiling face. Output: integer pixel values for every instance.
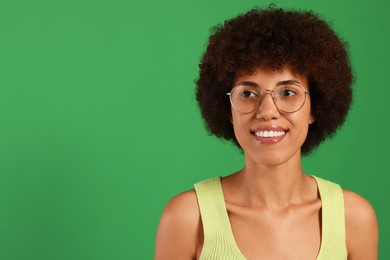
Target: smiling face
(267, 135)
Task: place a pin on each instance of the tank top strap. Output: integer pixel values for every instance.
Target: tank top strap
(333, 244)
(219, 241)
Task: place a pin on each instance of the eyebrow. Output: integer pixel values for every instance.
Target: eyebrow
(248, 83)
(284, 82)
(288, 82)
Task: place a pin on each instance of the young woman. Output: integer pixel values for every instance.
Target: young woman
(276, 83)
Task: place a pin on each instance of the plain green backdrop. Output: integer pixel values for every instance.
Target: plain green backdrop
(99, 127)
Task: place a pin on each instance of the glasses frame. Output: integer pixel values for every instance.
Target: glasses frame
(262, 93)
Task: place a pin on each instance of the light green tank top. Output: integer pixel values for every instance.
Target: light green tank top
(219, 243)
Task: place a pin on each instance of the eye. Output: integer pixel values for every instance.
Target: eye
(288, 92)
(248, 93)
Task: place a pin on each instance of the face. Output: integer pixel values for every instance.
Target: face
(267, 135)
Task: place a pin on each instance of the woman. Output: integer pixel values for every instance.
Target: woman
(277, 83)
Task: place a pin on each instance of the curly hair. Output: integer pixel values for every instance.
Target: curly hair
(274, 38)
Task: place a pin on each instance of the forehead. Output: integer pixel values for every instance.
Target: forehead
(267, 76)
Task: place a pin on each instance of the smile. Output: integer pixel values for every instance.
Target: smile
(269, 134)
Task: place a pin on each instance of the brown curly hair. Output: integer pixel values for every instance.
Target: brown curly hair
(273, 38)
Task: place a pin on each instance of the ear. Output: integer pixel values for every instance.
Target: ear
(311, 119)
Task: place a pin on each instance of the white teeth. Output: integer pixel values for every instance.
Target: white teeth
(269, 133)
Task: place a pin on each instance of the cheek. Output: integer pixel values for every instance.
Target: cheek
(235, 117)
(240, 125)
(238, 120)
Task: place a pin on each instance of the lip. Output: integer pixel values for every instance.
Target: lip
(277, 135)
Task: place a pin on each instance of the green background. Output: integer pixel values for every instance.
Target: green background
(99, 127)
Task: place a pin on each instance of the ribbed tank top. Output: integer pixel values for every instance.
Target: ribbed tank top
(219, 243)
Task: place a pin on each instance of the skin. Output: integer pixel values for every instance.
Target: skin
(273, 207)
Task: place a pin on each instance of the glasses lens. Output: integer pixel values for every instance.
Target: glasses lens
(289, 98)
(245, 99)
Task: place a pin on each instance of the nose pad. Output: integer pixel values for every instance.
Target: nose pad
(267, 108)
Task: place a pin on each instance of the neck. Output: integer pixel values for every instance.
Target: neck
(275, 186)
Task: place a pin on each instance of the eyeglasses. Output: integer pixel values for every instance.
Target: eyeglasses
(288, 98)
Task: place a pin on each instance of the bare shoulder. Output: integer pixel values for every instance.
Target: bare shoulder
(178, 230)
(361, 227)
(358, 210)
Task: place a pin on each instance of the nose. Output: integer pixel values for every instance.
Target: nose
(267, 109)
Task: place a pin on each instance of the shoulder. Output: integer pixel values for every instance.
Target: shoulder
(358, 211)
(182, 208)
(178, 230)
(361, 227)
